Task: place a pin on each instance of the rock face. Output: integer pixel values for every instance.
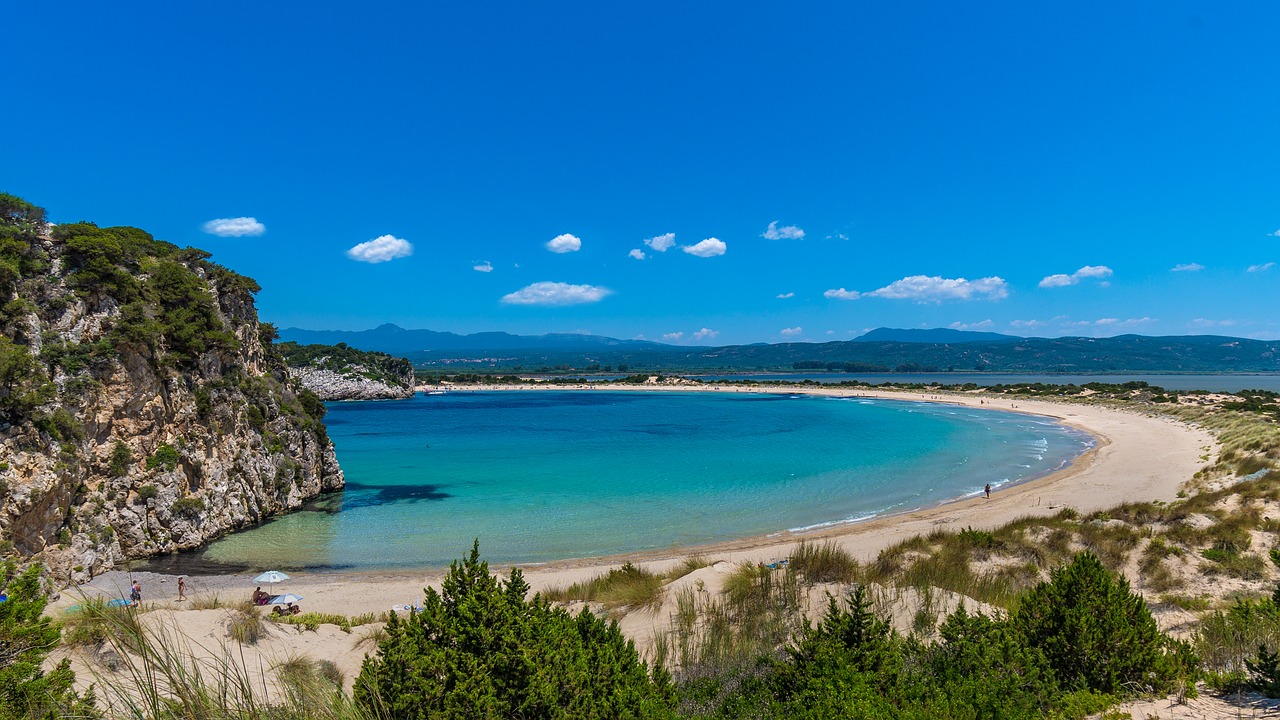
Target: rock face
(143, 407)
(353, 385)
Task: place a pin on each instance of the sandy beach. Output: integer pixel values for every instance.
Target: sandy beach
(1137, 458)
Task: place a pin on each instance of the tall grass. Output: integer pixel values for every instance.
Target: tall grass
(164, 676)
(824, 563)
(627, 586)
(245, 624)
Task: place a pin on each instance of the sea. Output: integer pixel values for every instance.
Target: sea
(540, 476)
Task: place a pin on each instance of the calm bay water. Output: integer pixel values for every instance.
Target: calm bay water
(549, 475)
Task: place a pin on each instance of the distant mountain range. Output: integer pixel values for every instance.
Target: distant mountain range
(391, 338)
(883, 349)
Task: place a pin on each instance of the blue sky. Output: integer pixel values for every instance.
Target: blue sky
(822, 169)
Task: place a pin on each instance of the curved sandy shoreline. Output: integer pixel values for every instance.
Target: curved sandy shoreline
(1137, 457)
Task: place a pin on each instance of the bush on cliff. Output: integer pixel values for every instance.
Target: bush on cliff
(478, 648)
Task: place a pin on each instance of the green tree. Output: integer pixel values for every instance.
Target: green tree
(479, 649)
(26, 638)
(22, 381)
(1097, 633)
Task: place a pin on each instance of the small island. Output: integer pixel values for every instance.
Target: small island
(341, 372)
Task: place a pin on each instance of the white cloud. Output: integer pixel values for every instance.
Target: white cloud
(1261, 268)
(791, 332)
(1207, 323)
(381, 249)
(484, 267)
(704, 334)
(1088, 271)
(786, 232)
(556, 293)
(838, 236)
(565, 243)
(710, 247)
(1118, 323)
(234, 227)
(925, 289)
(981, 325)
(1028, 324)
(785, 295)
(1274, 234)
(1187, 267)
(636, 253)
(661, 243)
(672, 337)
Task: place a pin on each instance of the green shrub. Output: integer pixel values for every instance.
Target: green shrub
(189, 507)
(165, 457)
(147, 492)
(479, 649)
(121, 459)
(27, 636)
(1097, 633)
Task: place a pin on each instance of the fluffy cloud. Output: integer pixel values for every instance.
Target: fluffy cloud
(662, 243)
(672, 337)
(842, 294)
(565, 243)
(1207, 323)
(1028, 324)
(925, 289)
(556, 293)
(784, 296)
(982, 325)
(704, 334)
(710, 247)
(791, 332)
(1274, 234)
(381, 249)
(1088, 271)
(786, 232)
(234, 227)
(1261, 268)
(485, 267)
(636, 253)
(1187, 267)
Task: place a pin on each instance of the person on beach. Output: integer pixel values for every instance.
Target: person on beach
(987, 490)
(182, 588)
(135, 593)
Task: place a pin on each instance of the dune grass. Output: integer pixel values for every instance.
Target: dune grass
(313, 620)
(824, 562)
(627, 586)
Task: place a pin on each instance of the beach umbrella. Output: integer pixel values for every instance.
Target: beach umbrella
(271, 576)
(286, 598)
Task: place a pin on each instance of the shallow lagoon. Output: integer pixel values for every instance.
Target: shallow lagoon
(549, 475)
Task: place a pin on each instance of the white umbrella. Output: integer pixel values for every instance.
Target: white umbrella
(271, 576)
(286, 598)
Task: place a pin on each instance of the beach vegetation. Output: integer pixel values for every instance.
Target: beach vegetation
(824, 562)
(628, 586)
(245, 624)
(479, 648)
(27, 636)
(313, 620)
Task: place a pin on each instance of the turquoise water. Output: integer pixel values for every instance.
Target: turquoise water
(549, 475)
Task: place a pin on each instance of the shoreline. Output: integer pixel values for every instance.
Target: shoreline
(1135, 457)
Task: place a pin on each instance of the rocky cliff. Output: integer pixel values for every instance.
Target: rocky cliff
(340, 372)
(331, 385)
(143, 407)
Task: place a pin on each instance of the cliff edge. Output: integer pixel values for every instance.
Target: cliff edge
(143, 407)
